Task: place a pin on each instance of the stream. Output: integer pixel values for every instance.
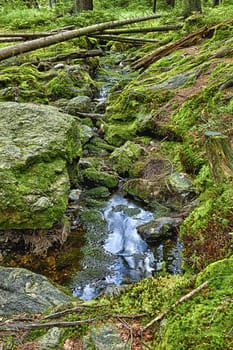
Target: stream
(126, 257)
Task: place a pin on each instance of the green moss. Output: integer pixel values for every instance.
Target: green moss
(118, 133)
(206, 231)
(205, 321)
(30, 199)
(93, 177)
(124, 157)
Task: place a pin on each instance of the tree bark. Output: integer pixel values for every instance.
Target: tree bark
(31, 45)
(190, 6)
(220, 155)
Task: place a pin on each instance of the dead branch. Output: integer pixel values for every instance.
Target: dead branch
(143, 29)
(181, 300)
(11, 39)
(89, 115)
(35, 44)
(37, 325)
(71, 310)
(131, 40)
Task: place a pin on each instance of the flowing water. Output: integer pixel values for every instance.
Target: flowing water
(132, 259)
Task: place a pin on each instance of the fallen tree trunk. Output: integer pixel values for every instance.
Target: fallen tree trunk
(72, 55)
(143, 29)
(124, 39)
(31, 45)
(11, 39)
(192, 38)
(188, 40)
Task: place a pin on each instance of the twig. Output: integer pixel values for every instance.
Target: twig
(71, 310)
(181, 300)
(37, 325)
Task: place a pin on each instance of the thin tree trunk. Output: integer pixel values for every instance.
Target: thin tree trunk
(124, 39)
(143, 29)
(18, 49)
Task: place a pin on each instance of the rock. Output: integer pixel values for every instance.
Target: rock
(51, 340)
(37, 145)
(79, 104)
(123, 158)
(159, 229)
(174, 82)
(24, 291)
(95, 178)
(104, 338)
(181, 185)
(142, 189)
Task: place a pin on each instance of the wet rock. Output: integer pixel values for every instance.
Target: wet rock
(24, 291)
(123, 158)
(104, 338)
(142, 189)
(37, 145)
(159, 229)
(181, 185)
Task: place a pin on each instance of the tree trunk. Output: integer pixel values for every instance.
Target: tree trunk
(82, 5)
(171, 3)
(220, 155)
(216, 3)
(7, 52)
(190, 6)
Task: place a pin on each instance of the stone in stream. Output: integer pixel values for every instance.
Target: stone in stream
(24, 291)
(159, 229)
(39, 147)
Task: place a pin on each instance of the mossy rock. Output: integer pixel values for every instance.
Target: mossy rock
(142, 189)
(124, 157)
(94, 178)
(118, 133)
(39, 147)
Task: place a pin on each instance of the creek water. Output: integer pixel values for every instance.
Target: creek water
(132, 259)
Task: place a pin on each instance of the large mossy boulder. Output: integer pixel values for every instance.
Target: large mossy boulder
(38, 147)
(24, 291)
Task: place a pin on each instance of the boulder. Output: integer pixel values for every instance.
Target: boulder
(38, 144)
(22, 291)
(159, 229)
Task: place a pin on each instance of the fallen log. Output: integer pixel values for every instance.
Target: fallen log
(11, 39)
(72, 55)
(124, 39)
(188, 40)
(192, 38)
(143, 29)
(35, 44)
